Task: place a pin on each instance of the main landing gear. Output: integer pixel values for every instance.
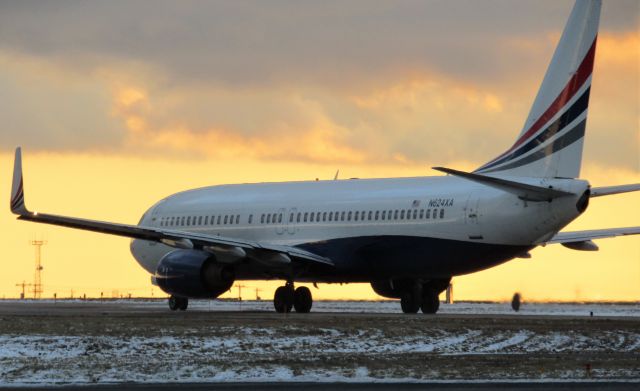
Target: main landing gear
(178, 303)
(286, 298)
(423, 297)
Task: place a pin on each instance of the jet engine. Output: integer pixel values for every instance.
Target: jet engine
(193, 273)
(387, 288)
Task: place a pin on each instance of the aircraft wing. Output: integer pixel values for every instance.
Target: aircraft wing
(174, 238)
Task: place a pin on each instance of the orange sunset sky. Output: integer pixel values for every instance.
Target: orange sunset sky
(119, 104)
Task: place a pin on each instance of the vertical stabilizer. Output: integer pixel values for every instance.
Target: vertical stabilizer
(550, 143)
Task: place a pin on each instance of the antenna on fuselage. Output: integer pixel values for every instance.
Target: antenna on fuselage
(335, 177)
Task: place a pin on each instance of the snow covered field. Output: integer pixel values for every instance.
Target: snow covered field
(132, 341)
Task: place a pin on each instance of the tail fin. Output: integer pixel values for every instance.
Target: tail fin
(17, 186)
(550, 144)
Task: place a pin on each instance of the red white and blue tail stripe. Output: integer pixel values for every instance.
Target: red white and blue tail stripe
(550, 144)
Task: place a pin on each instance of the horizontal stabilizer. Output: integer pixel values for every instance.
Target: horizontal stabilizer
(609, 190)
(522, 190)
(585, 236)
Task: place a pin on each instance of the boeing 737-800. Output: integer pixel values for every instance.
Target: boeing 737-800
(407, 237)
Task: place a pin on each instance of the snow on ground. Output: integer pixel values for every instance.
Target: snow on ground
(308, 351)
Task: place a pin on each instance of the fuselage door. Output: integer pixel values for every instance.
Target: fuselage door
(291, 220)
(281, 221)
(472, 214)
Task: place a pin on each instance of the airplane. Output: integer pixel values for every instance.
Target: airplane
(407, 237)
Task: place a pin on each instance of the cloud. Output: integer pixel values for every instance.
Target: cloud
(256, 43)
(406, 82)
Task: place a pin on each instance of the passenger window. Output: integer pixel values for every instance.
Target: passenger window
(280, 218)
(384, 214)
(218, 219)
(421, 214)
(306, 216)
(355, 216)
(188, 220)
(370, 215)
(269, 218)
(206, 220)
(299, 215)
(349, 216)
(395, 215)
(311, 217)
(402, 214)
(330, 216)
(262, 219)
(199, 220)
(324, 216)
(226, 219)
(428, 215)
(291, 218)
(237, 219)
(342, 215)
(377, 215)
(250, 219)
(442, 213)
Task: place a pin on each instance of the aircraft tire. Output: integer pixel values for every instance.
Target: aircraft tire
(184, 303)
(430, 302)
(302, 300)
(409, 303)
(283, 299)
(174, 303)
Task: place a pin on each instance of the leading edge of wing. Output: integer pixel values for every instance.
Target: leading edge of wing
(173, 238)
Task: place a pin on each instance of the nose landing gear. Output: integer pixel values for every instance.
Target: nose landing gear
(178, 303)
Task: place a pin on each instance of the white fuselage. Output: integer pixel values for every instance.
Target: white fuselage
(298, 213)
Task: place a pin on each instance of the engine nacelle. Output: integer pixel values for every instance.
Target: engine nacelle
(386, 288)
(193, 273)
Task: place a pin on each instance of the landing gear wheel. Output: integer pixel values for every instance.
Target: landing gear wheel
(283, 299)
(184, 303)
(409, 303)
(173, 303)
(302, 300)
(430, 302)
(178, 303)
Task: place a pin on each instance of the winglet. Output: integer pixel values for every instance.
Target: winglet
(17, 186)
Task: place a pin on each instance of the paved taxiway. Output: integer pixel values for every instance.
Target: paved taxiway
(603, 386)
(92, 342)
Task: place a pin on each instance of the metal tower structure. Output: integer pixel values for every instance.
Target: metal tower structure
(37, 281)
(23, 285)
